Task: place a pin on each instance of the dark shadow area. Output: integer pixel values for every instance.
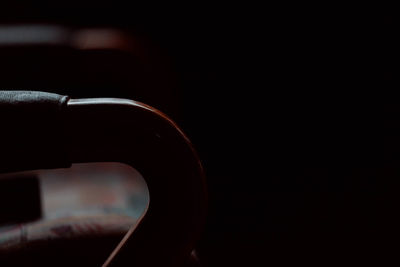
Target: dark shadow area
(282, 104)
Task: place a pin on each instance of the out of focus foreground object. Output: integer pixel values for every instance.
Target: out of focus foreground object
(43, 130)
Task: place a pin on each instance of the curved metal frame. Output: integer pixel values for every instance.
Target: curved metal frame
(130, 132)
(117, 130)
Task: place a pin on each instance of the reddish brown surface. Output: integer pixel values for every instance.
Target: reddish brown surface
(129, 132)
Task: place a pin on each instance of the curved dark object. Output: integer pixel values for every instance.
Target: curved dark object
(31, 131)
(126, 131)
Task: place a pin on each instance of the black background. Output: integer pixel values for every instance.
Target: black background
(284, 105)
